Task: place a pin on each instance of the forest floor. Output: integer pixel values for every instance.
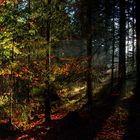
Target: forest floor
(114, 117)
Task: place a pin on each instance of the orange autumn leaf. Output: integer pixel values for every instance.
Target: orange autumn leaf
(21, 137)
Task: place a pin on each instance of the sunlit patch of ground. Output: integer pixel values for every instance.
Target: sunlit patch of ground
(128, 95)
(59, 115)
(4, 99)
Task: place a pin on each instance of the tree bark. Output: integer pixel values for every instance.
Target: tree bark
(113, 46)
(47, 91)
(89, 55)
(133, 36)
(122, 67)
(138, 45)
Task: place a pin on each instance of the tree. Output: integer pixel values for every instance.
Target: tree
(133, 33)
(108, 11)
(89, 55)
(113, 46)
(138, 45)
(122, 34)
(47, 94)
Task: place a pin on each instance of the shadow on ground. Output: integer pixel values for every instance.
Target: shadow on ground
(133, 126)
(79, 125)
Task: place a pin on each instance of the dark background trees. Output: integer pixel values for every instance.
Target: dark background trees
(59, 56)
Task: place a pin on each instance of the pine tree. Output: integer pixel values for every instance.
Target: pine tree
(138, 45)
(122, 34)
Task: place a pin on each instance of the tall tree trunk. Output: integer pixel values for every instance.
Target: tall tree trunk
(113, 46)
(47, 91)
(128, 38)
(107, 25)
(29, 50)
(133, 36)
(89, 55)
(122, 67)
(138, 45)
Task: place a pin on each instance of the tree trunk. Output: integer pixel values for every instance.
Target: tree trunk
(122, 67)
(89, 55)
(113, 47)
(107, 25)
(47, 91)
(29, 50)
(128, 38)
(133, 36)
(138, 45)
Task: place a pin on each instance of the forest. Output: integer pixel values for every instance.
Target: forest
(69, 70)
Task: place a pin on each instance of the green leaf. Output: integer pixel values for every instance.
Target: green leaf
(32, 32)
